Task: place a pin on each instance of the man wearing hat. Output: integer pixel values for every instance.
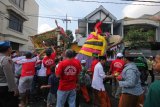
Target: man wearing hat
(116, 68)
(8, 88)
(84, 81)
(150, 67)
(117, 65)
(100, 95)
(143, 68)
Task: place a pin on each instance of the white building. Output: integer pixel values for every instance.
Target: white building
(86, 25)
(17, 22)
(117, 27)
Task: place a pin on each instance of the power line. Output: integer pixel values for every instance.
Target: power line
(119, 3)
(142, 1)
(53, 15)
(56, 18)
(49, 16)
(46, 17)
(43, 4)
(32, 16)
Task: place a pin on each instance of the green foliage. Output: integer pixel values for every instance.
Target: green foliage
(137, 36)
(70, 35)
(70, 38)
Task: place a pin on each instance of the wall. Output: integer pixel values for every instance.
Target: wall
(31, 8)
(158, 34)
(29, 27)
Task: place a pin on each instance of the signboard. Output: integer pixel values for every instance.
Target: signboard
(143, 52)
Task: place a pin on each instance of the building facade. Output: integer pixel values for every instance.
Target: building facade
(146, 21)
(117, 27)
(86, 25)
(18, 22)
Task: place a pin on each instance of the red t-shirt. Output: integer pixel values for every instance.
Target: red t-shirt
(68, 70)
(79, 63)
(48, 62)
(98, 27)
(117, 66)
(93, 64)
(28, 66)
(28, 69)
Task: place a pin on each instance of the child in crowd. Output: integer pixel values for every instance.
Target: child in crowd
(53, 83)
(84, 81)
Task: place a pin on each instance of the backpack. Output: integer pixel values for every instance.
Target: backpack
(142, 67)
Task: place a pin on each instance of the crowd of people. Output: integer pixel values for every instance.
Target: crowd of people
(62, 77)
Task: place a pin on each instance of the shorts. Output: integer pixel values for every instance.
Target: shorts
(51, 99)
(25, 83)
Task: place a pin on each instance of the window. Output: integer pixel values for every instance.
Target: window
(16, 22)
(15, 46)
(19, 3)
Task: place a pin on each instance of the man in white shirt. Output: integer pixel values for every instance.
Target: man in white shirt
(100, 95)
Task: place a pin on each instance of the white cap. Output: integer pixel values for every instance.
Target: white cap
(83, 61)
(15, 54)
(119, 55)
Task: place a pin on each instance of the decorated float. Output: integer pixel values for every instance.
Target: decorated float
(96, 43)
(56, 37)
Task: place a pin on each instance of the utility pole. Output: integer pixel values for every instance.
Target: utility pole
(66, 20)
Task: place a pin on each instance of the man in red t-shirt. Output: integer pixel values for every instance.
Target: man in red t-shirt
(49, 60)
(27, 73)
(116, 68)
(68, 71)
(117, 65)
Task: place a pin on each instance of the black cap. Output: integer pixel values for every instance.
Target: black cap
(102, 57)
(28, 55)
(69, 53)
(48, 51)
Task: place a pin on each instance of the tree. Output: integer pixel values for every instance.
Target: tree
(138, 36)
(70, 35)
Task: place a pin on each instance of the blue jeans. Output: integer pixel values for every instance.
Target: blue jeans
(70, 96)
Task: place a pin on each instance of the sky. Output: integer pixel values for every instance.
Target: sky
(77, 10)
